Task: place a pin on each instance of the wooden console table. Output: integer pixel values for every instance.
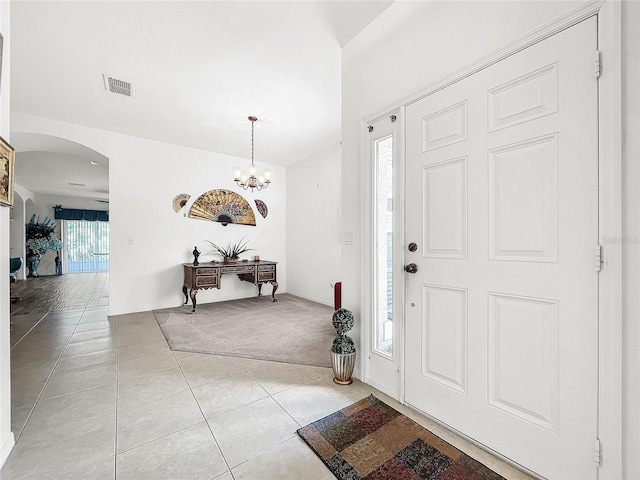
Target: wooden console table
(207, 275)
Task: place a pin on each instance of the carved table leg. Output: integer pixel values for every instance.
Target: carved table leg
(192, 294)
(185, 290)
(275, 287)
(259, 289)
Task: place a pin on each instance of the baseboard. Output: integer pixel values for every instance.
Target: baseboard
(6, 448)
(306, 297)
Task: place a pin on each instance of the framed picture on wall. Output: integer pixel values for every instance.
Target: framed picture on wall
(7, 172)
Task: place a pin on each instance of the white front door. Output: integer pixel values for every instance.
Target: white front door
(502, 201)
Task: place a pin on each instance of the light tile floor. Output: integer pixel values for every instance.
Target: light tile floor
(97, 397)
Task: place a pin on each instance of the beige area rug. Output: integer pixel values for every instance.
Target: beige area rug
(291, 330)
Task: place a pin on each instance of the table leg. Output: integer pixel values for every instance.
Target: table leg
(192, 294)
(259, 289)
(275, 287)
(185, 290)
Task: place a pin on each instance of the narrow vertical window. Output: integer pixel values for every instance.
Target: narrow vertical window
(383, 151)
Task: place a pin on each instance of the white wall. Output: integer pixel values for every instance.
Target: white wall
(148, 240)
(413, 44)
(313, 225)
(6, 436)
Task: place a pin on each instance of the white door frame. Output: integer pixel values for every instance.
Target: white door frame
(610, 201)
(394, 365)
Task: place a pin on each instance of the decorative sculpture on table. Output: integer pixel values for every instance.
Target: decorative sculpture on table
(196, 254)
(223, 206)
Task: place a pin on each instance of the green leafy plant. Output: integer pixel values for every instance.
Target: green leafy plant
(343, 344)
(39, 235)
(343, 322)
(231, 251)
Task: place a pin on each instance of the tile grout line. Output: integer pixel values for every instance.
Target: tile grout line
(202, 413)
(46, 381)
(115, 432)
(70, 393)
(28, 331)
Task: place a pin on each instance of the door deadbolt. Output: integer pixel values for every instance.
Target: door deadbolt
(413, 247)
(411, 268)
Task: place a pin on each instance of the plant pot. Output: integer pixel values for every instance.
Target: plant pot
(342, 365)
(32, 264)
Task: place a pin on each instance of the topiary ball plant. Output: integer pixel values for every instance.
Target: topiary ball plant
(342, 320)
(343, 358)
(343, 344)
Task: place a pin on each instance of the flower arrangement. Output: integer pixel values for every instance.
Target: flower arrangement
(231, 251)
(39, 235)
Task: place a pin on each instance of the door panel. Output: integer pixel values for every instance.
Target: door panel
(523, 203)
(445, 209)
(444, 340)
(502, 199)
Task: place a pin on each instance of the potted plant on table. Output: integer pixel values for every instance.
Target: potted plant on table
(343, 350)
(230, 253)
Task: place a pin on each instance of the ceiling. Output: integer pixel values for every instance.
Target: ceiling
(199, 69)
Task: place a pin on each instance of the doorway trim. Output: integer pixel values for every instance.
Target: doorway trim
(610, 359)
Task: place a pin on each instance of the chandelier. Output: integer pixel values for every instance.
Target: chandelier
(251, 181)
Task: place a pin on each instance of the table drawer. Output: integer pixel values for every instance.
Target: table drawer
(239, 269)
(265, 268)
(206, 281)
(206, 271)
(266, 276)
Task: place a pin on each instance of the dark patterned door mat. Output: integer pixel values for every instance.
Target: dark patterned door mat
(369, 440)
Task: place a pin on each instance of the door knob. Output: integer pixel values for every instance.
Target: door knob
(411, 268)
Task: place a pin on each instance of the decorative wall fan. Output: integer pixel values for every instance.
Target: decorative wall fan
(180, 201)
(223, 206)
(262, 208)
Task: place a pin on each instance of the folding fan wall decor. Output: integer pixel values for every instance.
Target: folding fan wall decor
(262, 208)
(180, 201)
(223, 206)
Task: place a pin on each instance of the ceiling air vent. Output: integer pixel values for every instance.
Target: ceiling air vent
(117, 86)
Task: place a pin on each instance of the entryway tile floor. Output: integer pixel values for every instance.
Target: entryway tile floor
(97, 397)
